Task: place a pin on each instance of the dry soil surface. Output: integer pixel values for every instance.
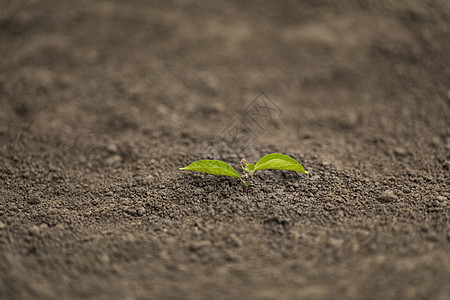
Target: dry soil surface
(102, 101)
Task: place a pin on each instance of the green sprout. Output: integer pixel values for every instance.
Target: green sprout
(274, 161)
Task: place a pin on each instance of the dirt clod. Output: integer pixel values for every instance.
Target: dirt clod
(387, 196)
(140, 211)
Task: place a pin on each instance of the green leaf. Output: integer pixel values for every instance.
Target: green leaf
(277, 161)
(215, 167)
(250, 167)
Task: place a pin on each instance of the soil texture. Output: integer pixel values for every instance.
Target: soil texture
(102, 101)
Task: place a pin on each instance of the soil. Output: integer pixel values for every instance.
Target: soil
(102, 101)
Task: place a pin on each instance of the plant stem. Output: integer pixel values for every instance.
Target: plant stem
(244, 185)
(248, 174)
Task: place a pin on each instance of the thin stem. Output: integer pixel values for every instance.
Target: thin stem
(244, 185)
(247, 174)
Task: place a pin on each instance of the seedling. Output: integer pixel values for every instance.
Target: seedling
(274, 161)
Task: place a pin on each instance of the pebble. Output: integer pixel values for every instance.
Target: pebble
(399, 151)
(2, 225)
(104, 258)
(140, 211)
(112, 148)
(387, 196)
(113, 160)
(435, 141)
(34, 230)
(315, 177)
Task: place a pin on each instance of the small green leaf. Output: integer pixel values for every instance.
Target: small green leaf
(277, 161)
(215, 167)
(250, 168)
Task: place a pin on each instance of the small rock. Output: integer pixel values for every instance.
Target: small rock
(109, 193)
(399, 151)
(2, 225)
(104, 258)
(435, 141)
(140, 211)
(34, 230)
(112, 148)
(387, 196)
(113, 160)
(315, 177)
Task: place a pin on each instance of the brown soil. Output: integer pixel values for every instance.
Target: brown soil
(102, 101)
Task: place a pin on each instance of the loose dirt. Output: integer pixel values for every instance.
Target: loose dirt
(102, 101)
